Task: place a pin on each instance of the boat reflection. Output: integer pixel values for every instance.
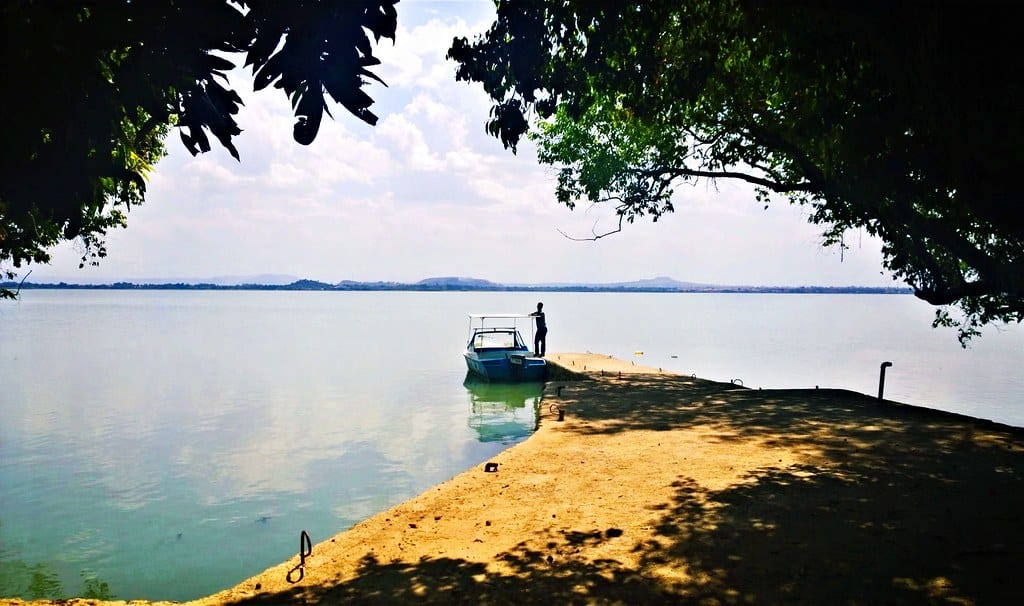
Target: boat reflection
(503, 412)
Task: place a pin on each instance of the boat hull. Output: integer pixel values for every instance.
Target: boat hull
(502, 367)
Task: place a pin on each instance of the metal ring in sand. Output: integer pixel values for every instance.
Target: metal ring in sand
(305, 550)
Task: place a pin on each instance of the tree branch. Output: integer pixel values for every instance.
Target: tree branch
(776, 186)
(596, 236)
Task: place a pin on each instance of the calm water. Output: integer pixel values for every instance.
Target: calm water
(166, 445)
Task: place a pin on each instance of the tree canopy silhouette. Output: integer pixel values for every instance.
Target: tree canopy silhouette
(92, 88)
(900, 119)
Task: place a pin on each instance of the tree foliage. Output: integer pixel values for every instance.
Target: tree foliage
(92, 88)
(901, 119)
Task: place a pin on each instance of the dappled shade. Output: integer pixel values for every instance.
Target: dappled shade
(681, 489)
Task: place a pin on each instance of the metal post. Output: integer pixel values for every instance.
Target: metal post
(881, 378)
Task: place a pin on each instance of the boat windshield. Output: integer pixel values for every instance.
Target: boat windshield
(498, 339)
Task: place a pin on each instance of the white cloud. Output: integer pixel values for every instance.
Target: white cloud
(409, 140)
(417, 59)
(286, 175)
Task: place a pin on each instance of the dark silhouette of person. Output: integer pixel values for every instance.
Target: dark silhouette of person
(540, 343)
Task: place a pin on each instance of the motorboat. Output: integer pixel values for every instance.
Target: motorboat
(496, 351)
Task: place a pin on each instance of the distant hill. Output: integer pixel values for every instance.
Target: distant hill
(354, 285)
(454, 282)
(659, 282)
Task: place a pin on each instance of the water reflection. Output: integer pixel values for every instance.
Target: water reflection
(33, 581)
(502, 412)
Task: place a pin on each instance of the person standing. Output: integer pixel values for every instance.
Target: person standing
(540, 337)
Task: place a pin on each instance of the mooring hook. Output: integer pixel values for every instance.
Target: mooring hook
(305, 550)
(881, 378)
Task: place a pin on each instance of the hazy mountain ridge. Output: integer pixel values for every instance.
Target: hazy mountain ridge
(277, 282)
(229, 280)
(456, 281)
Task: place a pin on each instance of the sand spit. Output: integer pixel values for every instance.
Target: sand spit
(661, 488)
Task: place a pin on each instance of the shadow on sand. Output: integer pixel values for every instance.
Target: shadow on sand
(908, 506)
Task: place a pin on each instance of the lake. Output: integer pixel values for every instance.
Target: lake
(169, 444)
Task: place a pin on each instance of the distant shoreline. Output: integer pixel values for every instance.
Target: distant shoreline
(312, 285)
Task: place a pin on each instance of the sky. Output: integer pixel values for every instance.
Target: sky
(426, 193)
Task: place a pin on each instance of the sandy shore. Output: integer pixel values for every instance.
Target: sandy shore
(660, 488)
